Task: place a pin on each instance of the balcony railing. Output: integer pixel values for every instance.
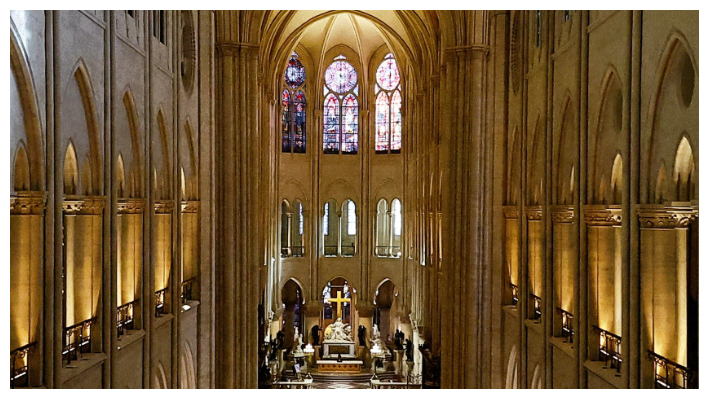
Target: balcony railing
(19, 377)
(609, 349)
(567, 326)
(188, 289)
(124, 317)
(385, 251)
(77, 340)
(537, 310)
(160, 302)
(515, 294)
(671, 375)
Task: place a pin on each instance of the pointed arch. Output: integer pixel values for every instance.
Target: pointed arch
(609, 130)
(165, 187)
(617, 180)
(120, 177)
(71, 171)
(21, 71)
(192, 177)
(83, 80)
(684, 174)
(133, 124)
(511, 380)
(21, 175)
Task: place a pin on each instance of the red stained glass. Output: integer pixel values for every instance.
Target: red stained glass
(331, 125)
(286, 121)
(295, 73)
(341, 77)
(388, 74)
(396, 121)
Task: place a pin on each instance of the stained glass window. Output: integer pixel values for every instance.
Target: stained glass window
(325, 218)
(286, 120)
(293, 108)
(388, 107)
(295, 73)
(351, 219)
(340, 108)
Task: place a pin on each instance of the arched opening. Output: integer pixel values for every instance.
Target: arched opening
(293, 315)
(285, 229)
(684, 171)
(331, 228)
(617, 180)
(71, 172)
(348, 235)
(338, 302)
(511, 380)
(21, 179)
(120, 177)
(297, 230)
(382, 244)
(384, 300)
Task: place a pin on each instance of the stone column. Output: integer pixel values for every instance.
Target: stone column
(565, 258)
(239, 209)
(604, 281)
(464, 208)
(511, 257)
(664, 259)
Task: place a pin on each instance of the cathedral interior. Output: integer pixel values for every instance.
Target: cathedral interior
(391, 199)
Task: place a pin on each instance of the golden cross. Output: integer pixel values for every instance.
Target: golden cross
(339, 300)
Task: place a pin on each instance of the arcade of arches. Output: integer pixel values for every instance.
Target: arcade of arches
(515, 191)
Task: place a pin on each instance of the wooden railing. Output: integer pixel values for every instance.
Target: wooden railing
(609, 349)
(20, 376)
(77, 340)
(124, 317)
(671, 375)
(567, 327)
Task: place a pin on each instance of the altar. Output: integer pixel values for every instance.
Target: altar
(339, 350)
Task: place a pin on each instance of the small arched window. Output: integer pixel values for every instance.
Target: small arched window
(396, 228)
(382, 244)
(331, 228)
(349, 229)
(285, 229)
(388, 107)
(293, 107)
(341, 108)
(297, 226)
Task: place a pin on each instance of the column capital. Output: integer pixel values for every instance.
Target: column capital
(602, 215)
(230, 49)
(533, 212)
(127, 206)
(510, 211)
(28, 203)
(164, 206)
(190, 206)
(562, 213)
(666, 216)
(84, 205)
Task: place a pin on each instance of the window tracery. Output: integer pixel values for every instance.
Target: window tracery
(293, 108)
(388, 107)
(341, 108)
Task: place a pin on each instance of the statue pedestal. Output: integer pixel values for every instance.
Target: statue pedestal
(331, 350)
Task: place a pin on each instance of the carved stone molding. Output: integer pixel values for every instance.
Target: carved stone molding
(666, 216)
(562, 213)
(602, 215)
(533, 212)
(190, 206)
(510, 211)
(227, 49)
(28, 203)
(164, 206)
(128, 206)
(84, 205)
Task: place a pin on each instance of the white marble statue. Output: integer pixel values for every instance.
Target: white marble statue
(339, 332)
(297, 343)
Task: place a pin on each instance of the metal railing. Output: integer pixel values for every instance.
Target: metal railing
(124, 317)
(515, 294)
(187, 287)
(20, 376)
(537, 310)
(382, 251)
(609, 349)
(77, 340)
(567, 327)
(671, 375)
(160, 302)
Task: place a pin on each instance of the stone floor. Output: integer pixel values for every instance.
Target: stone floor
(341, 385)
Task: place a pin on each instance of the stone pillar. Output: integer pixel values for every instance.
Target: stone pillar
(664, 259)
(535, 257)
(239, 208)
(511, 213)
(604, 254)
(464, 208)
(565, 259)
(129, 242)
(26, 264)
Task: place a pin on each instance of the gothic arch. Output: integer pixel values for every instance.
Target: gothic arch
(386, 189)
(20, 69)
(341, 186)
(165, 187)
(83, 80)
(563, 159)
(71, 171)
(513, 168)
(160, 379)
(187, 368)
(676, 76)
(21, 172)
(536, 169)
(300, 286)
(121, 188)
(511, 379)
(608, 131)
(133, 124)
(192, 176)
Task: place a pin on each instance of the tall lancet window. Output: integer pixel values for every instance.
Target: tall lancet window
(340, 108)
(293, 106)
(388, 107)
